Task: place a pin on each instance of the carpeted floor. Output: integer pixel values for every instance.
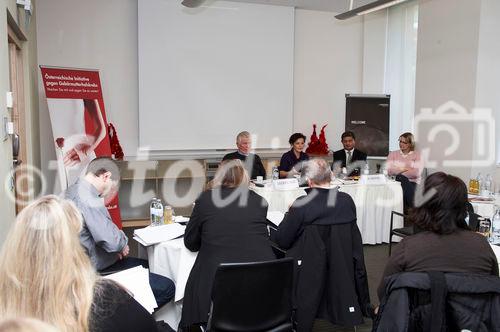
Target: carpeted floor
(375, 259)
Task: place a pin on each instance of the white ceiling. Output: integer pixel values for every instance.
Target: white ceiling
(336, 6)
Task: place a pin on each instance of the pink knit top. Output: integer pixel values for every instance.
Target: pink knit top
(411, 161)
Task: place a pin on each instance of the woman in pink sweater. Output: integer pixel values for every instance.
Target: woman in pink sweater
(406, 164)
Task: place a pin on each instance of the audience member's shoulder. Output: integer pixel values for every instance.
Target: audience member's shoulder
(229, 156)
(342, 198)
(473, 237)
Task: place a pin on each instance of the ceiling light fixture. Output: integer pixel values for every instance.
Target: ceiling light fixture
(192, 3)
(369, 8)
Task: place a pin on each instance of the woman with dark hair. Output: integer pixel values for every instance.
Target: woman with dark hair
(228, 225)
(291, 161)
(444, 242)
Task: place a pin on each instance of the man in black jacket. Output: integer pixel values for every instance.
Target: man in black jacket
(252, 162)
(321, 233)
(349, 156)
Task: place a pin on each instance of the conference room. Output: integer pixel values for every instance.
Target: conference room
(390, 100)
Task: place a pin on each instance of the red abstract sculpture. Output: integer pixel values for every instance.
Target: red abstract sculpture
(116, 149)
(318, 146)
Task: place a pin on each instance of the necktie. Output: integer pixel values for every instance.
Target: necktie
(349, 157)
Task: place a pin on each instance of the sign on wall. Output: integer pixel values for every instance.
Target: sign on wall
(368, 117)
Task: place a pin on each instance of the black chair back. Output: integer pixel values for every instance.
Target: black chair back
(253, 296)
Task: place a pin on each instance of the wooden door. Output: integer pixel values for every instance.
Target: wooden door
(21, 177)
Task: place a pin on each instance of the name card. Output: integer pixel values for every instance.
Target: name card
(286, 184)
(373, 179)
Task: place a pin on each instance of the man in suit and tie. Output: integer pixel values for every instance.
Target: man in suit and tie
(349, 156)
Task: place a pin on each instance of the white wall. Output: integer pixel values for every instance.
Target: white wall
(374, 52)
(488, 70)
(331, 58)
(328, 64)
(457, 59)
(92, 34)
(446, 70)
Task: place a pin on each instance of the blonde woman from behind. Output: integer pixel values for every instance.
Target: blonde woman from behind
(45, 274)
(25, 325)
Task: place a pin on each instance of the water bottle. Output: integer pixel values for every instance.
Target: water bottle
(276, 173)
(152, 211)
(484, 226)
(486, 190)
(159, 212)
(366, 171)
(495, 229)
(479, 184)
(344, 173)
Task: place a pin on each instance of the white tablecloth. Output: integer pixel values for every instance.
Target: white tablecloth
(374, 204)
(486, 209)
(172, 260)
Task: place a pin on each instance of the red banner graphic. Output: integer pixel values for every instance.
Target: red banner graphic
(79, 126)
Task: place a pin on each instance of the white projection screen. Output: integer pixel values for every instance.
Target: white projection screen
(207, 73)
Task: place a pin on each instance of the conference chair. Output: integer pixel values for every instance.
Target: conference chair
(254, 296)
(401, 232)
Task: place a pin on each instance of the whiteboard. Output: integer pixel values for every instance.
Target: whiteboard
(207, 73)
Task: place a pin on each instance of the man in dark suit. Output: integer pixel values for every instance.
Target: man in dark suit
(252, 162)
(320, 232)
(349, 156)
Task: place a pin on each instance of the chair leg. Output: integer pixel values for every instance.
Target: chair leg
(390, 245)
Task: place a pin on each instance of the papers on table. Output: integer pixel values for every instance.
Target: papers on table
(276, 217)
(155, 234)
(372, 179)
(136, 281)
(286, 184)
(478, 198)
(181, 219)
(337, 182)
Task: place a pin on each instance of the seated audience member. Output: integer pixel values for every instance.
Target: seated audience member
(349, 156)
(25, 325)
(444, 242)
(45, 274)
(228, 225)
(321, 233)
(252, 162)
(406, 164)
(105, 244)
(291, 161)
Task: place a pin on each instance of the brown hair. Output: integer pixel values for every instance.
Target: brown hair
(101, 165)
(295, 137)
(347, 134)
(445, 210)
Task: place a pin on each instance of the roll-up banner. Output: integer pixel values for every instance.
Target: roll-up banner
(79, 126)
